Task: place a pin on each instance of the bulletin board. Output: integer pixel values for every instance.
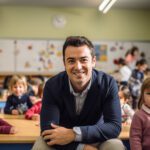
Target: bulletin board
(45, 56)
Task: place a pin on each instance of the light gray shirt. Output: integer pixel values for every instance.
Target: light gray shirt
(79, 100)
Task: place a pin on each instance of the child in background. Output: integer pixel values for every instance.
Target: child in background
(132, 56)
(18, 101)
(147, 73)
(34, 112)
(33, 89)
(126, 110)
(140, 126)
(6, 128)
(124, 71)
(136, 80)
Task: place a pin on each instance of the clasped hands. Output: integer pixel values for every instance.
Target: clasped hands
(58, 135)
(61, 136)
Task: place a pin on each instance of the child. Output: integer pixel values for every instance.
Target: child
(18, 101)
(132, 56)
(127, 111)
(33, 89)
(147, 73)
(6, 128)
(124, 71)
(34, 111)
(136, 80)
(140, 126)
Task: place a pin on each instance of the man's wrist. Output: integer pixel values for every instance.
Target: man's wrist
(78, 133)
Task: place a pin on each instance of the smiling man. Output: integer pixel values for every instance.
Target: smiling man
(80, 107)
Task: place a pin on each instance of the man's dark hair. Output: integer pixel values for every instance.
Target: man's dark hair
(78, 41)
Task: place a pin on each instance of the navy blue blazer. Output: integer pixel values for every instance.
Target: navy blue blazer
(100, 118)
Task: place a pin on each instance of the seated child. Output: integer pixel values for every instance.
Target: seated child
(126, 110)
(18, 101)
(6, 128)
(33, 89)
(34, 111)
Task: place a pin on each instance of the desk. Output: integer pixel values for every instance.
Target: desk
(28, 131)
(124, 135)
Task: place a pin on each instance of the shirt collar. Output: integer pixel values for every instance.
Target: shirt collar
(79, 94)
(146, 109)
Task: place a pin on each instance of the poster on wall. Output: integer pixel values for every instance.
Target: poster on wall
(39, 56)
(101, 52)
(27, 55)
(55, 51)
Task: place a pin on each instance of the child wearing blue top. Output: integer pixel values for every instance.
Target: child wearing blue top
(18, 101)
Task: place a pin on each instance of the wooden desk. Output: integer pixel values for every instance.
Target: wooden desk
(28, 131)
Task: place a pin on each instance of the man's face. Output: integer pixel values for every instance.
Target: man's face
(78, 64)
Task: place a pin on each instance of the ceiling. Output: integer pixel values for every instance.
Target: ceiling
(129, 4)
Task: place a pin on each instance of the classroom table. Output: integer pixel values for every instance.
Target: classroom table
(124, 135)
(28, 131)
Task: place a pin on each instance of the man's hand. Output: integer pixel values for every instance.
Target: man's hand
(58, 135)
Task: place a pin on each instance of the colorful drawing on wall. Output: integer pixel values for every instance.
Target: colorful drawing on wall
(101, 52)
(117, 46)
(45, 59)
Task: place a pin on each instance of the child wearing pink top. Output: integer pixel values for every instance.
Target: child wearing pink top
(140, 126)
(34, 112)
(6, 128)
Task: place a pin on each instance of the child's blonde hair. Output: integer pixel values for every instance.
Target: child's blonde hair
(145, 85)
(18, 79)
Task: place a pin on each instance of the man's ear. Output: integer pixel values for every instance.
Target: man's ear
(94, 61)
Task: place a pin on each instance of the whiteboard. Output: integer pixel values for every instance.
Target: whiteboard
(45, 56)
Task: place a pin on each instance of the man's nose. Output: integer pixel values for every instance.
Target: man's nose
(78, 65)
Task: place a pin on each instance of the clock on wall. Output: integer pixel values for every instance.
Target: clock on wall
(59, 21)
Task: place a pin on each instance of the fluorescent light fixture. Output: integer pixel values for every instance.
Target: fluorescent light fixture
(103, 4)
(106, 5)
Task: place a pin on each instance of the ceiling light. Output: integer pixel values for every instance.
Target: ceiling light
(106, 5)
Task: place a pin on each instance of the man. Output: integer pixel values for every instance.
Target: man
(80, 107)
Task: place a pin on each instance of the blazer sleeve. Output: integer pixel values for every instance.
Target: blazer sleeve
(50, 114)
(110, 127)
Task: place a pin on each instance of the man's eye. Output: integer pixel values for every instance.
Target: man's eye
(84, 60)
(71, 61)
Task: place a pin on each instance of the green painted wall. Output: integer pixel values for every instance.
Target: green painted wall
(36, 22)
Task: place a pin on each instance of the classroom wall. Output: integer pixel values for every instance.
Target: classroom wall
(36, 22)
